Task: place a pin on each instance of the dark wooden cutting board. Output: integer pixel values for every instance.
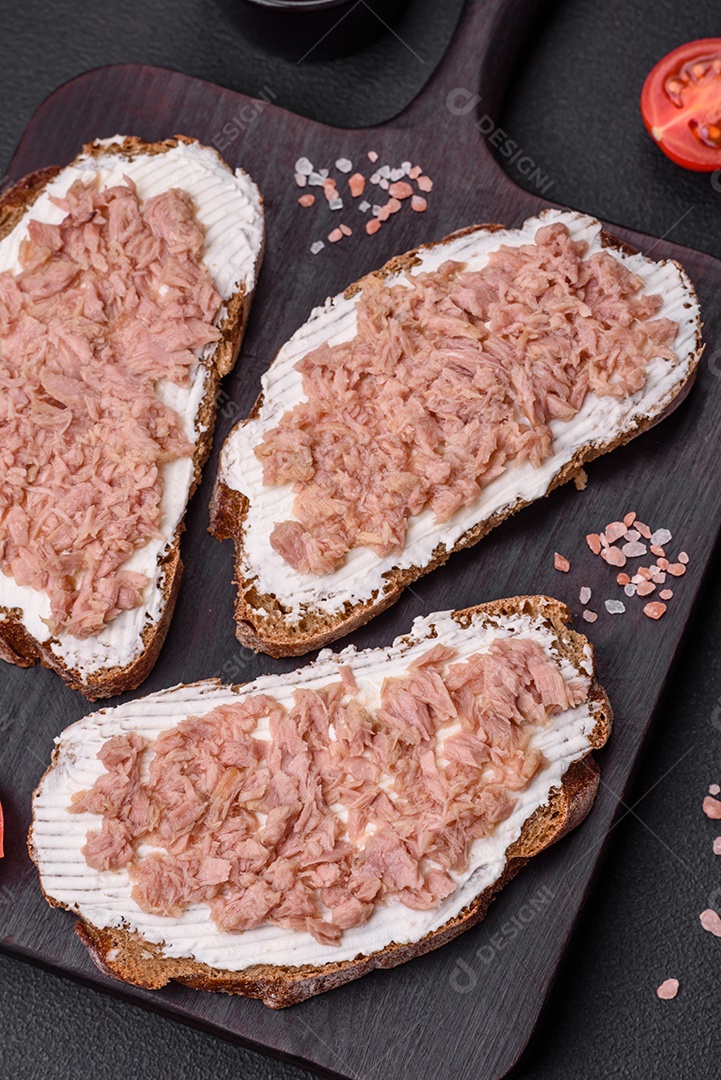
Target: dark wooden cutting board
(468, 1009)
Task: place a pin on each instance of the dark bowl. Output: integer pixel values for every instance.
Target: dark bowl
(311, 30)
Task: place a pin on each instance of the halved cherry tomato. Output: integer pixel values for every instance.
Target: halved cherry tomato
(681, 104)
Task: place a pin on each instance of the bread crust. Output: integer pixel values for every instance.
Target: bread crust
(124, 955)
(17, 645)
(260, 621)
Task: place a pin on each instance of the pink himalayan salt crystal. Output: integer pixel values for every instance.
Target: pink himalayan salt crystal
(712, 808)
(613, 556)
(711, 922)
(714, 789)
(717, 846)
(668, 989)
(614, 531)
(594, 542)
(561, 563)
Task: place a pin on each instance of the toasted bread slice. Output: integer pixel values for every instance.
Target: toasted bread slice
(285, 613)
(283, 966)
(229, 207)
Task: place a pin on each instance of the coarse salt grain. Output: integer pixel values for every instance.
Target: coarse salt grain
(401, 190)
(364, 206)
(613, 556)
(345, 230)
(614, 531)
(645, 588)
(372, 226)
(357, 183)
(594, 542)
(585, 594)
(615, 607)
(633, 549)
(306, 200)
(415, 172)
(654, 610)
(643, 529)
(656, 549)
(630, 589)
(396, 174)
(561, 563)
(424, 183)
(683, 558)
(629, 519)
(304, 166)
(419, 204)
(711, 922)
(315, 179)
(667, 990)
(343, 165)
(632, 534)
(676, 569)
(335, 236)
(384, 184)
(712, 808)
(317, 246)
(666, 594)
(335, 204)
(717, 846)
(375, 178)
(393, 206)
(590, 616)
(714, 789)
(301, 179)
(660, 537)
(372, 155)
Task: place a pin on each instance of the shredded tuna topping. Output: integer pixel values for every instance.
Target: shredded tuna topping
(452, 376)
(107, 303)
(339, 807)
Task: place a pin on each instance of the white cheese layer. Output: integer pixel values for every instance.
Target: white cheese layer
(362, 573)
(103, 898)
(228, 206)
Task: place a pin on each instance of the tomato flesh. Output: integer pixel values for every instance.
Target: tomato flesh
(681, 104)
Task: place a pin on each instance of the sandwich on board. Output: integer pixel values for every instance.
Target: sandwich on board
(281, 838)
(432, 399)
(125, 284)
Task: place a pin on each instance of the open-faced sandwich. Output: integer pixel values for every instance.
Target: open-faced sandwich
(125, 284)
(431, 400)
(281, 838)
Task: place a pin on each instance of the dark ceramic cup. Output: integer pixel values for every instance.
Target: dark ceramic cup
(315, 29)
